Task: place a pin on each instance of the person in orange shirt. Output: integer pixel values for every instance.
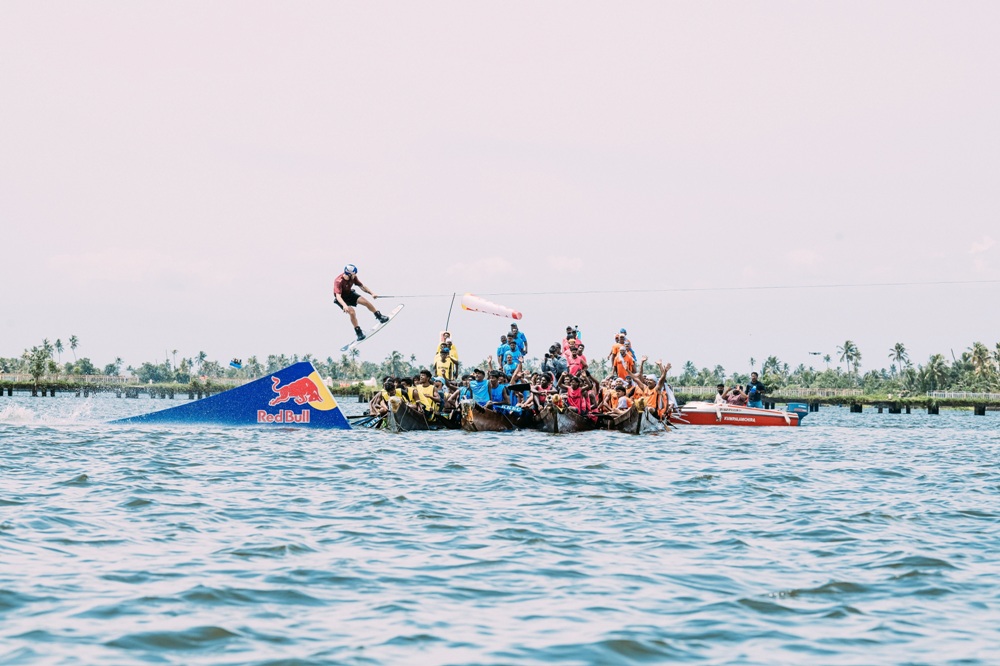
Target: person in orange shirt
(624, 364)
(654, 391)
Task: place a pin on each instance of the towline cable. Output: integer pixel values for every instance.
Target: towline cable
(704, 289)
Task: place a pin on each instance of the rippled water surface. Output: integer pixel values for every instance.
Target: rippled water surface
(854, 539)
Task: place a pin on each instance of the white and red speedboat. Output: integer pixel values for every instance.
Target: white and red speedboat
(707, 413)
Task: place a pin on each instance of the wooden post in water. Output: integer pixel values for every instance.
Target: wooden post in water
(931, 409)
(979, 410)
(856, 408)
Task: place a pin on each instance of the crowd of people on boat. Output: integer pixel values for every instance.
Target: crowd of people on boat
(563, 382)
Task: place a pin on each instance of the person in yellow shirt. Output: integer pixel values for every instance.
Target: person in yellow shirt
(444, 365)
(379, 405)
(426, 394)
(447, 342)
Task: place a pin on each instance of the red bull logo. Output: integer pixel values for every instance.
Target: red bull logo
(302, 390)
(308, 391)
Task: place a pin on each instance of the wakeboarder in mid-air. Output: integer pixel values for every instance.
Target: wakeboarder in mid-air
(346, 298)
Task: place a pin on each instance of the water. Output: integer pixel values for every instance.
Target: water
(855, 539)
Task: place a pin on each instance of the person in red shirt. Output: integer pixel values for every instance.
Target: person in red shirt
(346, 298)
(577, 362)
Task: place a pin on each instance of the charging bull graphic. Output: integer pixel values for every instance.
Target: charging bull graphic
(306, 400)
(302, 390)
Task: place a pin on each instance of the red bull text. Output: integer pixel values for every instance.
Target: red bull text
(283, 416)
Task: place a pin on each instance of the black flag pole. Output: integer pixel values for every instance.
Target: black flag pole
(448, 323)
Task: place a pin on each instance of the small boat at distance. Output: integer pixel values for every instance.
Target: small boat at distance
(707, 413)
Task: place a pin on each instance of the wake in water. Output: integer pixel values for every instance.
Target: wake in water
(77, 413)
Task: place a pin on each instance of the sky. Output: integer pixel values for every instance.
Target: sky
(192, 176)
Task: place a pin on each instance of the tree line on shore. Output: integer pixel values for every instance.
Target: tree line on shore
(977, 369)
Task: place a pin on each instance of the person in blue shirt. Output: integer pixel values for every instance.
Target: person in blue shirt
(498, 393)
(513, 350)
(502, 349)
(755, 392)
(464, 390)
(522, 342)
(479, 386)
(510, 366)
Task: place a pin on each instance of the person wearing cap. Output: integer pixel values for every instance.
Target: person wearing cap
(720, 397)
(522, 342)
(444, 366)
(479, 386)
(346, 298)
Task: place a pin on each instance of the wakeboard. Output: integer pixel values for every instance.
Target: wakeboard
(375, 329)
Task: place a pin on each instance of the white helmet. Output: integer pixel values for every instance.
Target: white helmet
(351, 268)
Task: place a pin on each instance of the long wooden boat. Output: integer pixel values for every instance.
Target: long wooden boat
(707, 413)
(404, 418)
(633, 422)
(476, 418)
(567, 421)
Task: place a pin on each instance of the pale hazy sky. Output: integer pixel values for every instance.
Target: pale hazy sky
(191, 175)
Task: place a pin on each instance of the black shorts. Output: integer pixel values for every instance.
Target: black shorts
(350, 297)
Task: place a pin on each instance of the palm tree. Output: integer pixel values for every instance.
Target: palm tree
(937, 371)
(74, 342)
(849, 354)
(59, 348)
(354, 361)
(753, 363)
(982, 364)
(395, 358)
(174, 354)
(201, 358)
(899, 355)
(827, 359)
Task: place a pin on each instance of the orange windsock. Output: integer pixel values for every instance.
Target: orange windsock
(474, 303)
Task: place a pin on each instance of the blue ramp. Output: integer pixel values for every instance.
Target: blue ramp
(294, 396)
